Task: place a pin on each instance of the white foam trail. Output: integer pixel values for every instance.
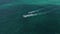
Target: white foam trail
(29, 15)
(42, 13)
(38, 10)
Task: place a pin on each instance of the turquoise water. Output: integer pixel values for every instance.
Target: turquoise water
(35, 2)
(13, 22)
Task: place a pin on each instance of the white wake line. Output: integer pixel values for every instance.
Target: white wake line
(29, 15)
(39, 9)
